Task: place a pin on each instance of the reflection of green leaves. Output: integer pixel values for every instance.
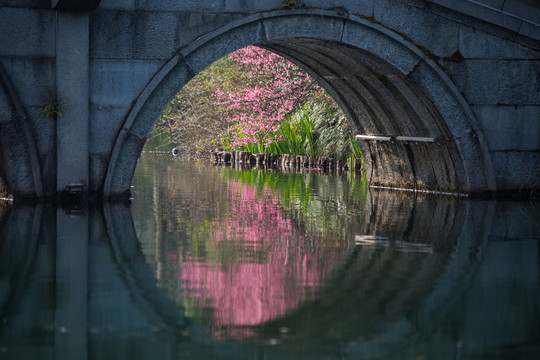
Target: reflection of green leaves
(311, 200)
(194, 310)
(360, 187)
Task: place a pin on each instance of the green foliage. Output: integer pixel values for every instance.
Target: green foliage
(53, 105)
(356, 153)
(319, 128)
(355, 148)
(291, 142)
(306, 124)
(289, 4)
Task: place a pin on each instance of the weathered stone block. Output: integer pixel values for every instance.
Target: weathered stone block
(417, 3)
(519, 82)
(27, 32)
(125, 165)
(155, 99)
(32, 78)
(478, 170)
(115, 38)
(303, 23)
(184, 5)
(429, 81)
(252, 5)
(105, 122)
(321, 4)
(478, 11)
(156, 34)
(510, 127)
(516, 170)
(8, 114)
(481, 45)
(193, 25)
(434, 33)
(476, 79)
(48, 167)
(16, 163)
(117, 4)
(380, 42)
(43, 128)
(359, 7)
(118, 83)
(98, 170)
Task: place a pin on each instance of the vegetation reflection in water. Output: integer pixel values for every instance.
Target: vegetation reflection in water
(271, 245)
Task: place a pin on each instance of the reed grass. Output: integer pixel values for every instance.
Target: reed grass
(318, 128)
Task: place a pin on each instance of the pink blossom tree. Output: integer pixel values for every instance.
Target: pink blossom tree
(273, 88)
(243, 98)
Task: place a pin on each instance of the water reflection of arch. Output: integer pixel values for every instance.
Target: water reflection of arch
(384, 281)
(166, 318)
(125, 312)
(20, 228)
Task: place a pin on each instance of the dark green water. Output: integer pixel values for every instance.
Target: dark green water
(216, 263)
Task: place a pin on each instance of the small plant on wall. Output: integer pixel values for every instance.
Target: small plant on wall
(289, 4)
(54, 104)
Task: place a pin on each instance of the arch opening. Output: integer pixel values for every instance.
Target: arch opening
(384, 85)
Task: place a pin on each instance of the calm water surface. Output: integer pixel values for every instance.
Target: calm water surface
(216, 263)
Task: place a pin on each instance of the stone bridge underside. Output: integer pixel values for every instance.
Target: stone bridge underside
(466, 74)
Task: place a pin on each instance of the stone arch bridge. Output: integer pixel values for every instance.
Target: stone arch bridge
(465, 74)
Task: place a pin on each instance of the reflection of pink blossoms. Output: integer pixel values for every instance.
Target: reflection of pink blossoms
(265, 266)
